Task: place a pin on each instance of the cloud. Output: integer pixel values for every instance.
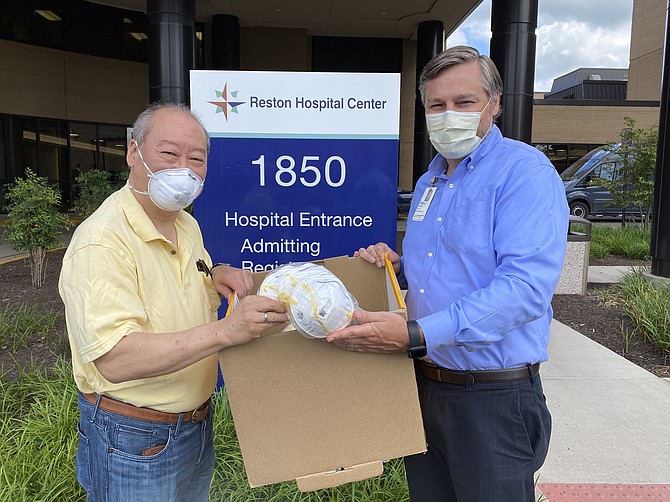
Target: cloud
(563, 46)
(609, 14)
(475, 31)
(570, 34)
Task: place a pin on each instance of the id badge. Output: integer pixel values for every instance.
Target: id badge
(424, 204)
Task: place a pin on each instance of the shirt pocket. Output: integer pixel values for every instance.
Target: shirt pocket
(210, 294)
(468, 226)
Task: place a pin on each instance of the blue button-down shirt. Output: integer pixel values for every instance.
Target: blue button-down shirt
(482, 266)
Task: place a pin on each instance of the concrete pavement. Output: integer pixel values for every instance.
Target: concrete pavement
(610, 417)
(610, 438)
(7, 253)
(607, 275)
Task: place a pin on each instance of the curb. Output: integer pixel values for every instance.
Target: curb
(13, 258)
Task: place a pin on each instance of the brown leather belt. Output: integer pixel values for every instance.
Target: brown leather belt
(147, 414)
(434, 372)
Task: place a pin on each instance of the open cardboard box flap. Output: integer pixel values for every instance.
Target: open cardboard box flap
(308, 410)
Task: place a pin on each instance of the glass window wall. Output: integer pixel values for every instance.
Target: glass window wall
(83, 27)
(28, 130)
(563, 155)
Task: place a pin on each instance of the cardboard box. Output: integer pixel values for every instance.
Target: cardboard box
(306, 410)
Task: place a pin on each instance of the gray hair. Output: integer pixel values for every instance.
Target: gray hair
(144, 120)
(491, 80)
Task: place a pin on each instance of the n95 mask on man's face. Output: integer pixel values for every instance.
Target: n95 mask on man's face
(171, 189)
(316, 301)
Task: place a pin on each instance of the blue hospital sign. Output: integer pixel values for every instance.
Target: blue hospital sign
(302, 166)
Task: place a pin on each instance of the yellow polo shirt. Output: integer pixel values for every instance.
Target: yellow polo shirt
(120, 276)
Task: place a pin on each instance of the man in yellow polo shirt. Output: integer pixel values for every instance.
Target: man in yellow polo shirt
(141, 299)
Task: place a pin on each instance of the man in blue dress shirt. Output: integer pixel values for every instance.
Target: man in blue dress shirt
(483, 251)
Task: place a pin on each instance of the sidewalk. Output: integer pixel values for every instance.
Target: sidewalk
(610, 437)
(8, 254)
(610, 419)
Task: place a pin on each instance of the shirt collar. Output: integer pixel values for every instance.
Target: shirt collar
(138, 218)
(490, 141)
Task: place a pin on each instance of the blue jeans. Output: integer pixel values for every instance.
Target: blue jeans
(111, 469)
(485, 441)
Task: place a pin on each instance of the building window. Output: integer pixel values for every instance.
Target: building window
(135, 36)
(85, 28)
(59, 151)
(51, 149)
(83, 148)
(27, 128)
(46, 26)
(564, 155)
(355, 54)
(112, 148)
(77, 26)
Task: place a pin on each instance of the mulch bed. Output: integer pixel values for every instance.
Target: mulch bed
(603, 321)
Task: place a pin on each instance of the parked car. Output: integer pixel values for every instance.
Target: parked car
(586, 199)
(404, 201)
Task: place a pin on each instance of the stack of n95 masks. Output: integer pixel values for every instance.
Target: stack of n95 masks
(316, 301)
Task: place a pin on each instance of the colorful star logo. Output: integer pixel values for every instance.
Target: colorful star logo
(225, 105)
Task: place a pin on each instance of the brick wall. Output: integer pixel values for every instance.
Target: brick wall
(41, 82)
(587, 124)
(646, 49)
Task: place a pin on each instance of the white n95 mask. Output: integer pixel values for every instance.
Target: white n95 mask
(454, 134)
(316, 301)
(171, 189)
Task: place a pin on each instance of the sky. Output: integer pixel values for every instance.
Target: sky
(570, 34)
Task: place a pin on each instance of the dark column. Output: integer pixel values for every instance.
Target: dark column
(225, 42)
(513, 24)
(429, 43)
(171, 49)
(660, 218)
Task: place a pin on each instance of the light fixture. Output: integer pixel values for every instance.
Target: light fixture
(74, 135)
(49, 15)
(138, 35)
(127, 21)
(198, 35)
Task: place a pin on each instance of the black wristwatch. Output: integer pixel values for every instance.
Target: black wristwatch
(417, 348)
(202, 267)
(218, 264)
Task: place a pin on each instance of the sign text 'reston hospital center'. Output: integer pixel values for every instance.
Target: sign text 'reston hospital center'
(317, 104)
(302, 166)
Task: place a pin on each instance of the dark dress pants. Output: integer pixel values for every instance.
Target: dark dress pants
(485, 442)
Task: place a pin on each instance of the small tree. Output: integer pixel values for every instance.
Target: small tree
(34, 224)
(633, 184)
(94, 186)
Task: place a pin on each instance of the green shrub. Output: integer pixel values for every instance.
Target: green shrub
(38, 441)
(648, 305)
(633, 184)
(94, 186)
(17, 325)
(38, 436)
(631, 241)
(34, 224)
